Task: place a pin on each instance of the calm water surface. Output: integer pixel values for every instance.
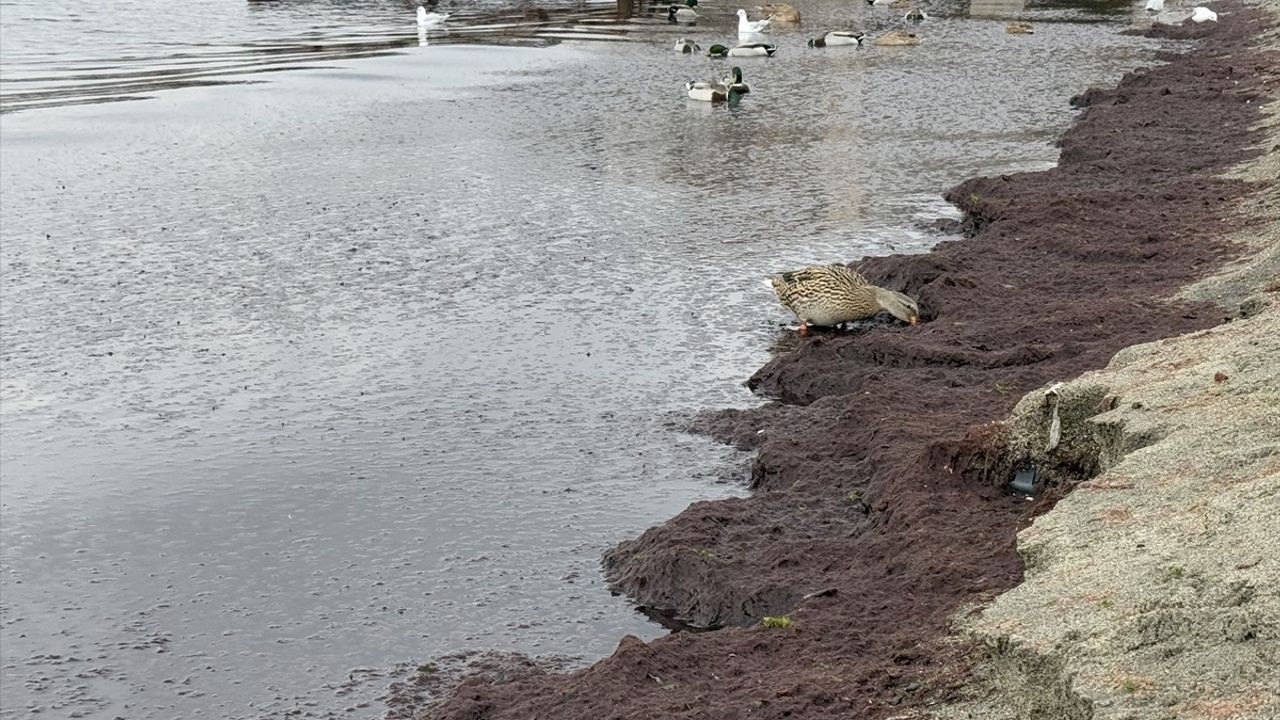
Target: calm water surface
(369, 361)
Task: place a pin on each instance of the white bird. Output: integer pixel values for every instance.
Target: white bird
(1155, 6)
(1203, 14)
(746, 27)
(880, 2)
(426, 19)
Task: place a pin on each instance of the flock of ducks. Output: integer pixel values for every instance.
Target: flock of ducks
(823, 295)
(751, 44)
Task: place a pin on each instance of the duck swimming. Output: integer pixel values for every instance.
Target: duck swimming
(717, 92)
(733, 81)
(781, 13)
(837, 37)
(747, 27)
(828, 295)
(752, 50)
(687, 46)
(897, 37)
(677, 14)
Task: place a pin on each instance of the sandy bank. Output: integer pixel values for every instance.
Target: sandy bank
(880, 506)
(1153, 590)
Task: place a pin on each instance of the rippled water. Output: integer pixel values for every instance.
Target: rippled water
(369, 362)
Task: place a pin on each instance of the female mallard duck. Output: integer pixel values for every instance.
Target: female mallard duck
(747, 27)
(837, 37)
(915, 15)
(897, 37)
(687, 14)
(751, 50)
(781, 13)
(828, 295)
(687, 46)
(1019, 28)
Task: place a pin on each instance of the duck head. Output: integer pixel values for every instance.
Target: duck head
(898, 305)
(736, 74)
(717, 51)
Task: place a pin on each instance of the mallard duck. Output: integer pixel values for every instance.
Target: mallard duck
(747, 27)
(687, 14)
(897, 37)
(687, 46)
(713, 92)
(1203, 14)
(781, 13)
(733, 81)
(915, 15)
(752, 50)
(837, 37)
(1019, 28)
(718, 51)
(426, 19)
(828, 295)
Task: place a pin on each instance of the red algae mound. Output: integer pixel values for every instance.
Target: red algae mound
(875, 514)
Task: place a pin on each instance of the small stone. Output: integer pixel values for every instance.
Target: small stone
(1219, 377)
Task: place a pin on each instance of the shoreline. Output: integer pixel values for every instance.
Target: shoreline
(879, 507)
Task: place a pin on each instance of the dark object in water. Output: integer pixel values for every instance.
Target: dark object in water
(1025, 480)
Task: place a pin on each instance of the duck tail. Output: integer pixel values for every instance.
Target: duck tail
(898, 305)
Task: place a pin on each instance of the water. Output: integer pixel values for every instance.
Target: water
(367, 362)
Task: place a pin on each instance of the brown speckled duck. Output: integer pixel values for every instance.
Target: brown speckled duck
(781, 14)
(898, 37)
(828, 295)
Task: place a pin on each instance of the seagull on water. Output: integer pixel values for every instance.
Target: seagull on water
(426, 19)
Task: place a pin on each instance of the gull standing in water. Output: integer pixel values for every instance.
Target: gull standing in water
(426, 19)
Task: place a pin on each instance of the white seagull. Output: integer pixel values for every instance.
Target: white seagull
(747, 27)
(426, 19)
(1203, 14)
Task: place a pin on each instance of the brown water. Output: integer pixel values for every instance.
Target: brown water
(361, 364)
